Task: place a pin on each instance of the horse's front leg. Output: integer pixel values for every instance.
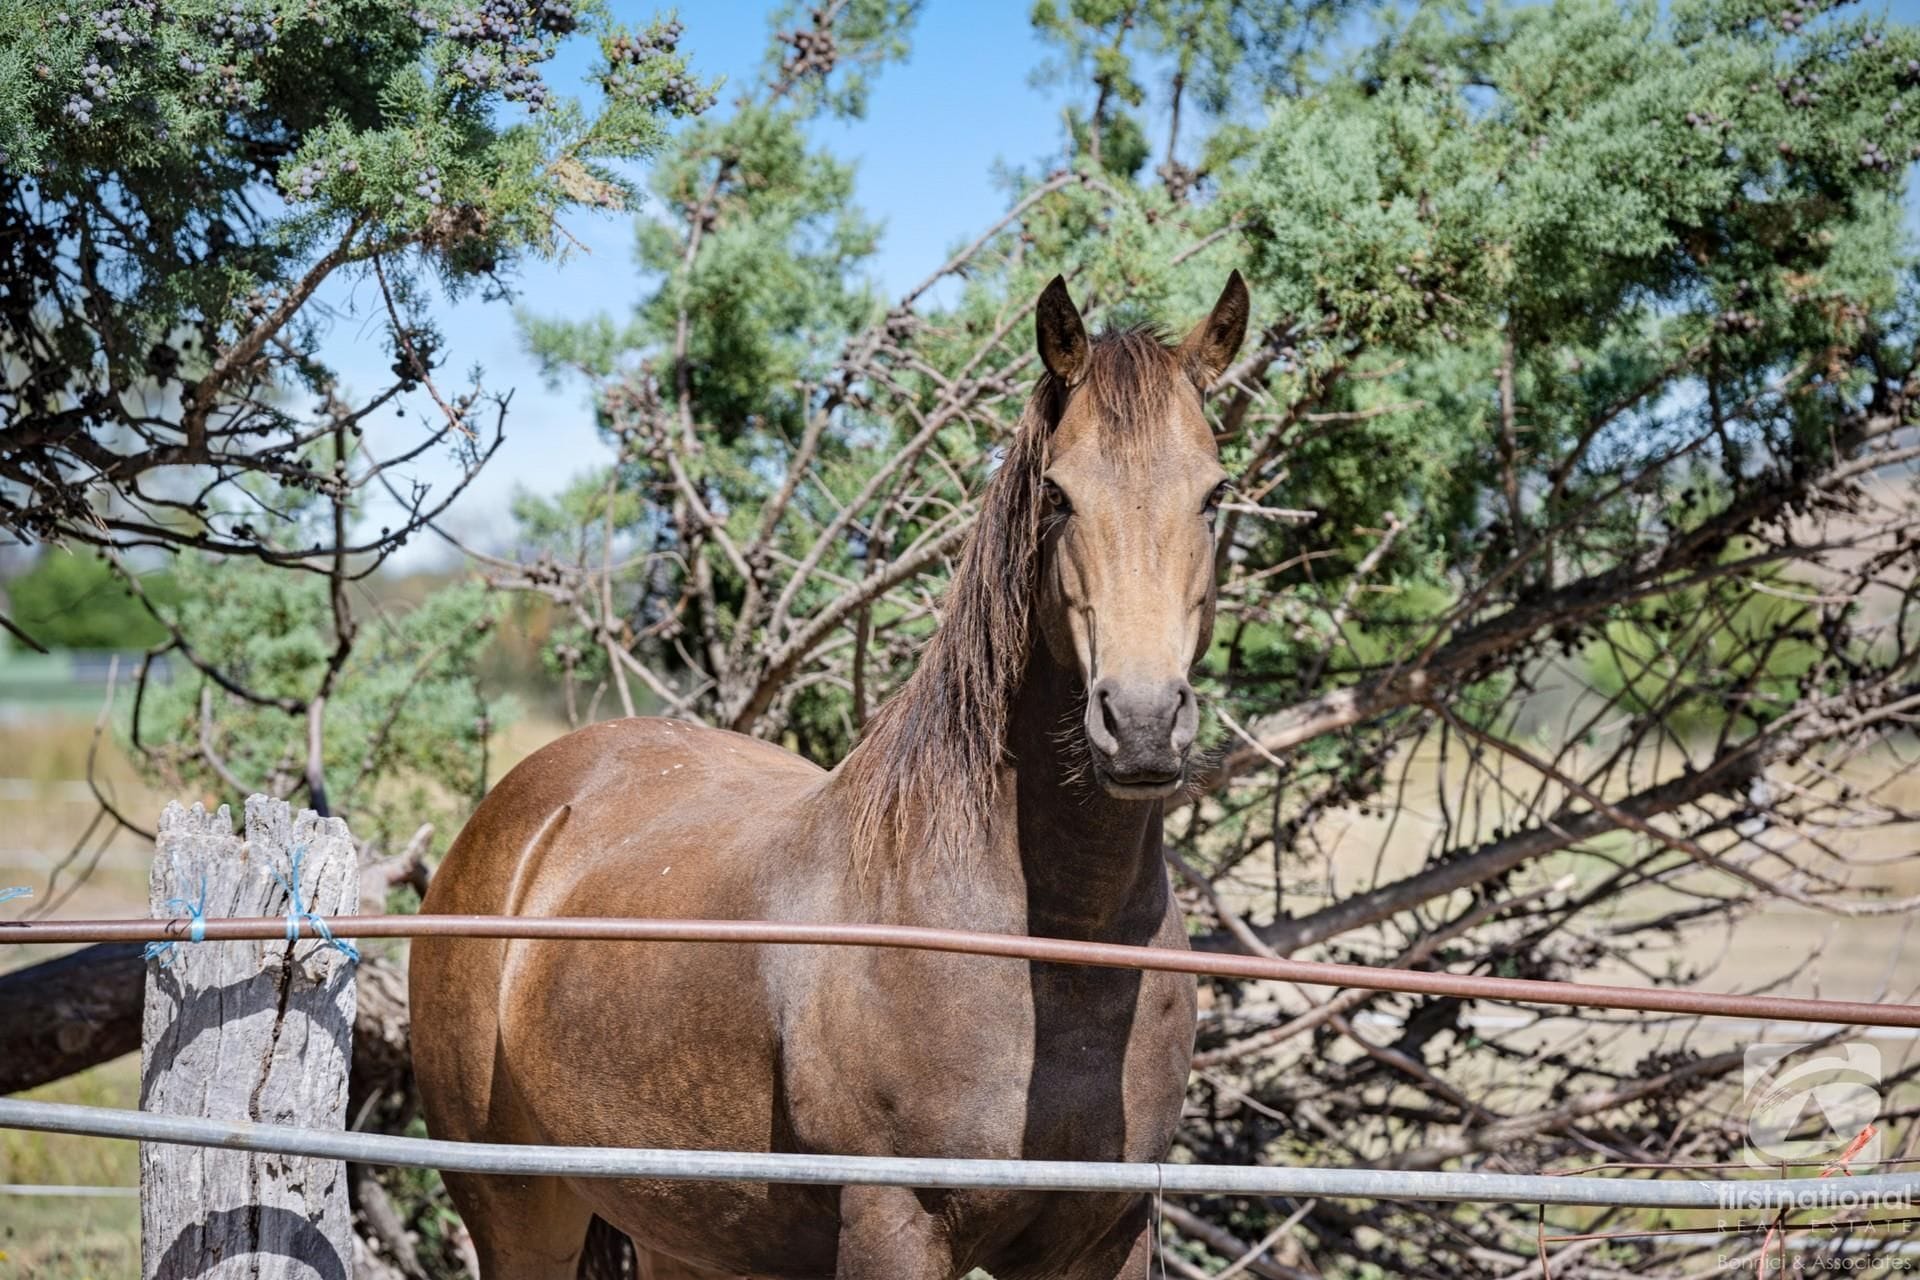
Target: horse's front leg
(886, 1233)
(1138, 1264)
(1125, 1253)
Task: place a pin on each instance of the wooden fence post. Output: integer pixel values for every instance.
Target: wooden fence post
(248, 1031)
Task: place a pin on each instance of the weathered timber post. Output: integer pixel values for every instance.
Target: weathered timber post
(248, 1031)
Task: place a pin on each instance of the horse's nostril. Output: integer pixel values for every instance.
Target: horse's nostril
(1102, 722)
(1186, 718)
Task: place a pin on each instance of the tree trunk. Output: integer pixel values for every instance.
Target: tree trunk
(64, 1015)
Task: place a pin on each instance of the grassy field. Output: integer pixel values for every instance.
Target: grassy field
(67, 1237)
(43, 812)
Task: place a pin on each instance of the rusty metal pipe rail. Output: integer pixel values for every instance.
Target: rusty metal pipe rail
(1007, 946)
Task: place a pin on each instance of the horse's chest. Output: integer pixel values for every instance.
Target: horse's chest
(991, 1059)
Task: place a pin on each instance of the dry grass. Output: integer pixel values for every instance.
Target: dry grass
(68, 1239)
(45, 810)
(65, 1237)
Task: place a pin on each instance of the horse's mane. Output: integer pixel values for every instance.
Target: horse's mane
(925, 775)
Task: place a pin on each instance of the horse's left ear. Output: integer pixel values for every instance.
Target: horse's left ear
(1210, 348)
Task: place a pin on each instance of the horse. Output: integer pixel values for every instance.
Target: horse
(1014, 784)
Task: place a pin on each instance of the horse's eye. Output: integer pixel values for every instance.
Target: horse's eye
(1056, 498)
(1218, 496)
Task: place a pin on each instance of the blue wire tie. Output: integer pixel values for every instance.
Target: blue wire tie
(297, 909)
(195, 910)
(15, 891)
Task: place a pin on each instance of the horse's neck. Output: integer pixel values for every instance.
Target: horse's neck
(1091, 864)
(1059, 858)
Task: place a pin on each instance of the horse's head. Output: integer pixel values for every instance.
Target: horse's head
(1130, 488)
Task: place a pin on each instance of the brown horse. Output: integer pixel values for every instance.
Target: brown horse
(1014, 785)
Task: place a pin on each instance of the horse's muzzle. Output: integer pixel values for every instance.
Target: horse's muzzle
(1140, 732)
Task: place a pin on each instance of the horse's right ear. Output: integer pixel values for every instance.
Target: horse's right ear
(1062, 337)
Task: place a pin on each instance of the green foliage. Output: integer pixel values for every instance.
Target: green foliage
(429, 120)
(178, 180)
(777, 271)
(774, 283)
(1612, 196)
(175, 181)
(406, 727)
(832, 76)
(781, 242)
(75, 601)
(1541, 292)
(1220, 59)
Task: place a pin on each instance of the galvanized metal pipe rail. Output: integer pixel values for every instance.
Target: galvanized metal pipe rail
(1891, 1190)
(1009, 946)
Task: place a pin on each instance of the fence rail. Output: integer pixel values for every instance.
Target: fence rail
(1871, 1190)
(94, 1191)
(1009, 946)
(197, 1137)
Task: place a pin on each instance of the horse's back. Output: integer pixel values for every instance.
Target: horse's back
(602, 801)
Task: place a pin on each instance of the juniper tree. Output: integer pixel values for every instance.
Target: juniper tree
(179, 184)
(179, 180)
(1571, 452)
(190, 191)
(1573, 530)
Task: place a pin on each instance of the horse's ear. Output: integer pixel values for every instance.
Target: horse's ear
(1062, 337)
(1210, 348)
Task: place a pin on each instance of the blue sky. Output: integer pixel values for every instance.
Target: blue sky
(936, 127)
(965, 101)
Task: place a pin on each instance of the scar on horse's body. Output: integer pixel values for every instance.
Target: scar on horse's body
(1083, 596)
